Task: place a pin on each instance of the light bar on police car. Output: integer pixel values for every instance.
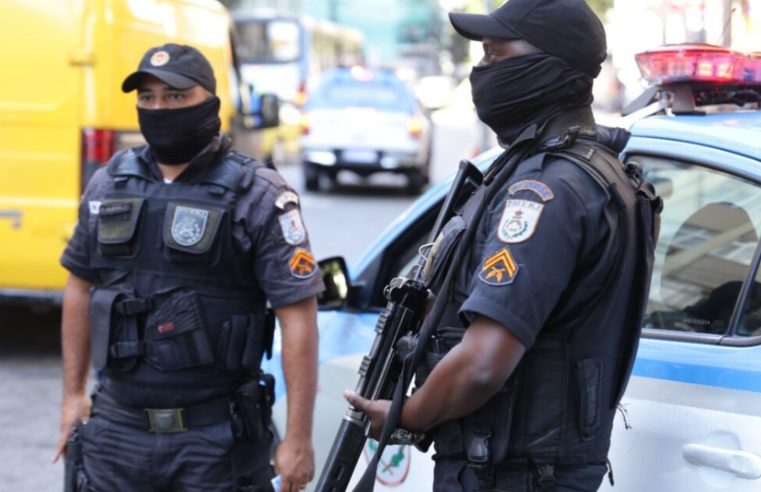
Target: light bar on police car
(676, 63)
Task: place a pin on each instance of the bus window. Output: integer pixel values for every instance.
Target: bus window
(275, 41)
(284, 55)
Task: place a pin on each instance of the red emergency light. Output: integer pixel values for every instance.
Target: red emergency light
(685, 77)
(752, 67)
(706, 63)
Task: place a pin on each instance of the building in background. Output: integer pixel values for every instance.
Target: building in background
(638, 25)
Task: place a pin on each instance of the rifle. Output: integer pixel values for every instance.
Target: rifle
(381, 369)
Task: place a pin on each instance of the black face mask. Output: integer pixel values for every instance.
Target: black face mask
(517, 92)
(177, 135)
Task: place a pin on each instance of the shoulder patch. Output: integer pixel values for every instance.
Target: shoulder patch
(537, 187)
(499, 269)
(302, 264)
(285, 198)
(292, 226)
(519, 220)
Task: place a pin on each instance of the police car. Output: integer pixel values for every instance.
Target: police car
(691, 417)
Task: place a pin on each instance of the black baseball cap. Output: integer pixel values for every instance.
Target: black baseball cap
(180, 66)
(568, 29)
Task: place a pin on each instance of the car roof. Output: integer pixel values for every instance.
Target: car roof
(738, 132)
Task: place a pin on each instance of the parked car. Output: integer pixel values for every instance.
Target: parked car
(690, 420)
(366, 122)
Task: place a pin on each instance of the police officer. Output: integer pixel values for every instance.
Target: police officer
(179, 247)
(539, 323)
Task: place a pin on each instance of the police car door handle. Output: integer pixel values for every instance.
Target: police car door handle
(744, 464)
(13, 215)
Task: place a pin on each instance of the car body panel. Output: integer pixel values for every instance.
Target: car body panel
(737, 132)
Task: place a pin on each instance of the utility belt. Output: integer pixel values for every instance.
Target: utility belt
(249, 411)
(174, 330)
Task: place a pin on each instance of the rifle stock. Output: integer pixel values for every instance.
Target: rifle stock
(381, 367)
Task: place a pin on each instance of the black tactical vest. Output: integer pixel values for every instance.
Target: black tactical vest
(178, 306)
(559, 405)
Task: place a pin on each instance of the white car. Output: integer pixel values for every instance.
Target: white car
(366, 122)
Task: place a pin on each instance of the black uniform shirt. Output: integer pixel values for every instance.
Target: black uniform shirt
(538, 235)
(267, 224)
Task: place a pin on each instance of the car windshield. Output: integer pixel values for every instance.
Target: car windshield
(386, 95)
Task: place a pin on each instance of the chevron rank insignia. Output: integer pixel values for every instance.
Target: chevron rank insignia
(499, 269)
(302, 264)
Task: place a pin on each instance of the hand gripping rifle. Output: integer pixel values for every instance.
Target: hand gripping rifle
(380, 373)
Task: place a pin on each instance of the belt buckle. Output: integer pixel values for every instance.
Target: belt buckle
(165, 420)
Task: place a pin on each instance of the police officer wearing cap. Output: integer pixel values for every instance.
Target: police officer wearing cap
(180, 246)
(539, 322)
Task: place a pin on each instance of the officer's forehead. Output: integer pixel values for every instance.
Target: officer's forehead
(152, 83)
(516, 46)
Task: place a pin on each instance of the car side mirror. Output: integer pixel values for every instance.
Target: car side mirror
(263, 110)
(269, 113)
(335, 276)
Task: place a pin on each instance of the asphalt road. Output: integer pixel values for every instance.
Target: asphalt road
(342, 221)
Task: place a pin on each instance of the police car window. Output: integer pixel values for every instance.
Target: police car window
(750, 318)
(710, 228)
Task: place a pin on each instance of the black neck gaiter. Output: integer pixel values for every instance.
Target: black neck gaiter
(175, 136)
(517, 92)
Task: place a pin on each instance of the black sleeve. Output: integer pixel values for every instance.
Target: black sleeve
(78, 253)
(533, 238)
(284, 265)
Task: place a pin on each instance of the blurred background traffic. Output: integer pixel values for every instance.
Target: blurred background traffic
(287, 47)
(359, 103)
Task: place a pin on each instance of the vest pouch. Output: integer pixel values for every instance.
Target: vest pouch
(542, 387)
(190, 233)
(589, 382)
(114, 338)
(440, 255)
(241, 341)
(448, 436)
(175, 334)
(440, 344)
(118, 221)
(487, 431)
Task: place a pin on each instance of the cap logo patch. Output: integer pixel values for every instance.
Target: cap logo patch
(160, 58)
(537, 187)
(519, 220)
(302, 264)
(188, 225)
(499, 269)
(293, 227)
